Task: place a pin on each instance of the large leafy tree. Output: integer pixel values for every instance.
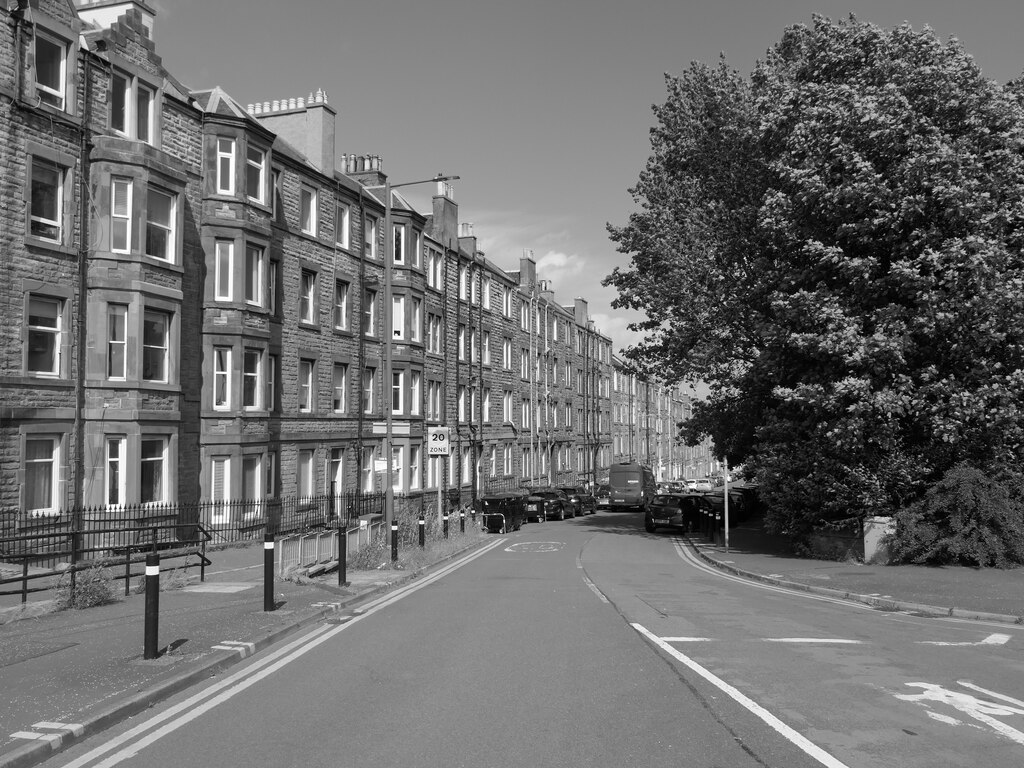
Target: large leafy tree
(834, 245)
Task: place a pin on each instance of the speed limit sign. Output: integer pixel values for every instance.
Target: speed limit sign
(438, 441)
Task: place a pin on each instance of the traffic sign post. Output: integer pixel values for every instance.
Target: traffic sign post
(439, 441)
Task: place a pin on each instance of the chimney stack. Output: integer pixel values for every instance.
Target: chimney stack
(307, 123)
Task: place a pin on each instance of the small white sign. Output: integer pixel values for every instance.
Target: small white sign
(438, 441)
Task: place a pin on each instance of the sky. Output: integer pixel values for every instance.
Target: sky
(542, 107)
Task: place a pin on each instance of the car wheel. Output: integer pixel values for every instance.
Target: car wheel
(649, 526)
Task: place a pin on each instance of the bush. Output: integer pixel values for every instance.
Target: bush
(968, 518)
(93, 586)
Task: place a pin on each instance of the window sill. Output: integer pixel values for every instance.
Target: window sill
(50, 245)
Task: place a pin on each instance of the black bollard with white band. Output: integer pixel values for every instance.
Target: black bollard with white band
(152, 605)
(268, 572)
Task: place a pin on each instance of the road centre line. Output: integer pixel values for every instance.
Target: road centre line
(182, 713)
(835, 640)
(800, 741)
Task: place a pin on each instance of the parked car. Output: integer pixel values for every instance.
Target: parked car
(682, 511)
(603, 495)
(502, 512)
(582, 500)
(704, 485)
(549, 504)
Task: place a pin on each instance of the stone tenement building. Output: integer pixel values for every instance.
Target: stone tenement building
(194, 299)
(645, 419)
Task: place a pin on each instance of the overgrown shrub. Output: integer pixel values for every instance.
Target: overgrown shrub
(93, 586)
(967, 518)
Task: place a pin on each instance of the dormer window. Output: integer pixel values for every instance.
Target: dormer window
(132, 107)
(51, 64)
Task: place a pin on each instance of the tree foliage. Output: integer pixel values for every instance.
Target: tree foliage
(834, 246)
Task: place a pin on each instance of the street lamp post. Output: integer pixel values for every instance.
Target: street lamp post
(389, 341)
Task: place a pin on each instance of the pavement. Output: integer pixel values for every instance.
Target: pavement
(70, 674)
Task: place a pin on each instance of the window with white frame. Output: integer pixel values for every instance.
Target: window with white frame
(487, 405)
(339, 388)
(114, 470)
(398, 317)
(273, 280)
(252, 370)
(307, 383)
(336, 479)
(307, 297)
(271, 393)
(47, 193)
(398, 235)
(305, 467)
(492, 453)
(506, 411)
(463, 283)
(525, 412)
(156, 340)
(42, 474)
(51, 69)
(434, 333)
(398, 392)
(254, 271)
(366, 469)
(340, 314)
(462, 342)
(527, 462)
(487, 348)
(506, 354)
(506, 301)
(117, 341)
(472, 346)
(252, 479)
(506, 459)
(433, 479)
(370, 237)
(416, 320)
(467, 465)
(220, 488)
(434, 400)
(153, 470)
(223, 269)
(308, 209)
(417, 248)
(524, 364)
(524, 317)
(369, 384)
(397, 468)
(121, 193)
(132, 107)
(45, 336)
(222, 378)
(435, 270)
(461, 401)
(225, 166)
(369, 326)
(342, 224)
(160, 219)
(474, 287)
(415, 392)
(415, 463)
(485, 292)
(256, 174)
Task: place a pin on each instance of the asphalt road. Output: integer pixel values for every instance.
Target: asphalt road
(591, 643)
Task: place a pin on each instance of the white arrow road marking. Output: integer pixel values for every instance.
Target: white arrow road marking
(981, 710)
(996, 639)
(800, 741)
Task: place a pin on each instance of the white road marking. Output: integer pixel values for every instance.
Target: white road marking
(54, 739)
(995, 639)
(983, 711)
(835, 640)
(595, 590)
(993, 694)
(132, 741)
(687, 639)
(771, 720)
(536, 546)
